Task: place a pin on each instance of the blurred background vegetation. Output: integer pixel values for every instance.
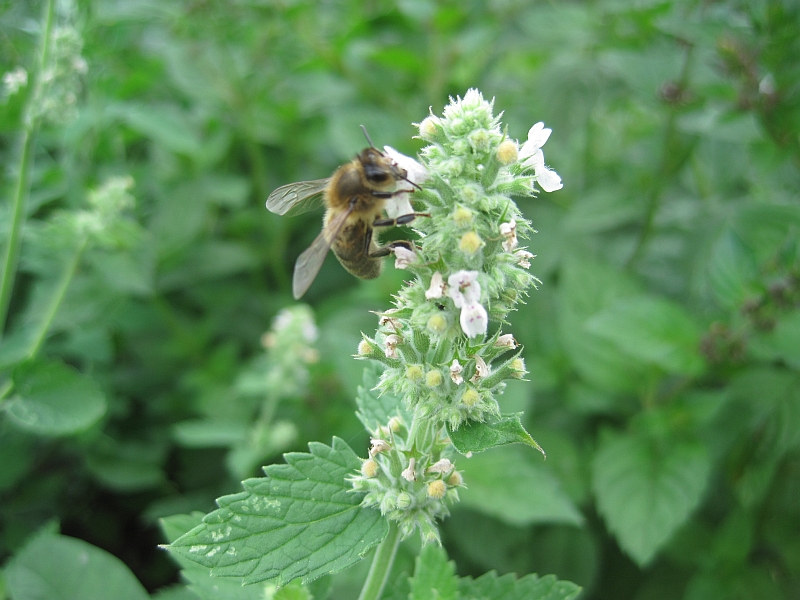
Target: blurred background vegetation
(663, 343)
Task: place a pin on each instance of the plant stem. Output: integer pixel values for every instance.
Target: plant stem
(381, 565)
(58, 297)
(29, 127)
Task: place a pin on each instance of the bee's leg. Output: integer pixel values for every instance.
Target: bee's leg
(401, 220)
(389, 248)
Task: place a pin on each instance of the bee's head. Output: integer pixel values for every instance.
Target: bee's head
(379, 170)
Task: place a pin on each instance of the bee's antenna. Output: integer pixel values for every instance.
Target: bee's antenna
(366, 135)
(412, 183)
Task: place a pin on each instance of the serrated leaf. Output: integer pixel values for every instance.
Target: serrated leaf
(52, 398)
(506, 484)
(645, 491)
(651, 329)
(199, 579)
(587, 288)
(434, 576)
(375, 410)
(58, 567)
(531, 587)
(782, 343)
(731, 271)
(477, 437)
(301, 521)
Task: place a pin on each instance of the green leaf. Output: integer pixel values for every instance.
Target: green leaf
(53, 399)
(782, 343)
(200, 580)
(375, 410)
(507, 587)
(506, 484)
(731, 271)
(301, 521)
(477, 437)
(645, 491)
(434, 576)
(651, 329)
(588, 287)
(58, 567)
(166, 124)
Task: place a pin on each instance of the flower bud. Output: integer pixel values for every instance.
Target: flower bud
(507, 152)
(437, 489)
(455, 479)
(414, 372)
(369, 468)
(437, 324)
(429, 128)
(404, 500)
(433, 378)
(470, 397)
(470, 243)
(462, 216)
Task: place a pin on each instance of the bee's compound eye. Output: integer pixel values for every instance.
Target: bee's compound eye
(378, 177)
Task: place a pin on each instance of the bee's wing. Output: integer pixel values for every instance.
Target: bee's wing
(297, 198)
(310, 261)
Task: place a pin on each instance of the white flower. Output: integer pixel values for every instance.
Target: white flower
(464, 287)
(378, 446)
(14, 80)
(474, 319)
(437, 287)
(441, 466)
(524, 258)
(415, 172)
(399, 204)
(481, 369)
(509, 231)
(532, 157)
(409, 474)
(455, 372)
(506, 341)
(466, 294)
(391, 342)
(537, 136)
(404, 257)
(548, 180)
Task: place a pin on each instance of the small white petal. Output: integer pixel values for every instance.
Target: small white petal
(398, 205)
(464, 288)
(481, 369)
(437, 287)
(549, 180)
(415, 172)
(506, 341)
(404, 257)
(455, 372)
(409, 474)
(474, 319)
(524, 258)
(509, 231)
(378, 446)
(441, 466)
(539, 134)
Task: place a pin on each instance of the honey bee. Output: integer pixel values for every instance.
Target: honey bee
(354, 197)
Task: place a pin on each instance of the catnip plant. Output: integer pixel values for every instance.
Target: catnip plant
(437, 366)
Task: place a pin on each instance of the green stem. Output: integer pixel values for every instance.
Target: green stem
(381, 565)
(58, 297)
(29, 127)
(665, 170)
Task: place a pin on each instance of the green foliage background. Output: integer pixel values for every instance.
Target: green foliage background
(663, 345)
